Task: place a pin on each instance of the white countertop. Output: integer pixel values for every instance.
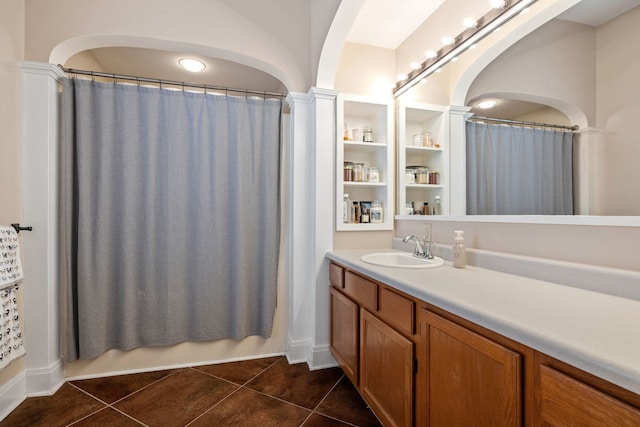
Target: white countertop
(596, 332)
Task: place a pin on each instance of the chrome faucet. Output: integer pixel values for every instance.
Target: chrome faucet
(422, 249)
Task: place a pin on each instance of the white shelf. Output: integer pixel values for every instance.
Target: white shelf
(377, 114)
(416, 118)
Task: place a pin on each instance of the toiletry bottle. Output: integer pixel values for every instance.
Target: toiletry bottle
(437, 206)
(376, 212)
(459, 251)
(346, 209)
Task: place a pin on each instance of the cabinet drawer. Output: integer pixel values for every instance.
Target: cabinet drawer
(363, 291)
(397, 310)
(336, 275)
(567, 401)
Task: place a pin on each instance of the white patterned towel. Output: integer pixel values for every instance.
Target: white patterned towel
(11, 343)
(10, 265)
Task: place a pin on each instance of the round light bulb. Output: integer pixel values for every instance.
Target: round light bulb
(448, 41)
(490, 103)
(431, 54)
(193, 65)
(497, 4)
(470, 23)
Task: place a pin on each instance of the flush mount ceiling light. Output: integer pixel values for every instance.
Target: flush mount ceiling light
(485, 105)
(193, 65)
(502, 12)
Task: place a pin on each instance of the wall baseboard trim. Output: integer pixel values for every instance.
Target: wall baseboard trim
(298, 351)
(45, 381)
(12, 394)
(316, 357)
(321, 358)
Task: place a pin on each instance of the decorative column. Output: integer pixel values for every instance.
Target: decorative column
(585, 188)
(458, 159)
(309, 154)
(40, 130)
(324, 140)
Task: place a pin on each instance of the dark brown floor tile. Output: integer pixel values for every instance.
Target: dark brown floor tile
(67, 405)
(111, 389)
(344, 402)
(177, 399)
(239, 372)
(249, 408)
(318, 420)
(296, 383)
(107, 417)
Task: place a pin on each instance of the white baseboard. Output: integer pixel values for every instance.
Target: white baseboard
(321, 358)
(12, 394)
(316, 357)
(44, 381)
(297, 351)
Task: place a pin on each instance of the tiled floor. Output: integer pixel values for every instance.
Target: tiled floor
(257, 393)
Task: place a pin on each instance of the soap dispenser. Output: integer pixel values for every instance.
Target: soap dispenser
(459, 251)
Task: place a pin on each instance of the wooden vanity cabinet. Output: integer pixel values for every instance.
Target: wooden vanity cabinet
(416, 364)
(345, 324)
(386, 371)
(372, 333)
(465, 378)
(567, 396)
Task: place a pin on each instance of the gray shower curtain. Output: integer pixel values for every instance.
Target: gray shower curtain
(515, 170)
(170, 210)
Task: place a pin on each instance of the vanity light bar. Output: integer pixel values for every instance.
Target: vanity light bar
(485, 25)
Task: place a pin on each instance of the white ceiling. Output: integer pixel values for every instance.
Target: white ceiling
(385, 23)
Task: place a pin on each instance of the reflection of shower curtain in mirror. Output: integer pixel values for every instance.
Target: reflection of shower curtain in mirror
(515, 170)
(171, 216)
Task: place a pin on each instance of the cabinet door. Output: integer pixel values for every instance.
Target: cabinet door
(344, 333)
(471, 381)
(386, 371)
(565, 401)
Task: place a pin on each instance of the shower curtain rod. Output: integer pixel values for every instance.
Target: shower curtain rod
(521, 123)
(160, 82)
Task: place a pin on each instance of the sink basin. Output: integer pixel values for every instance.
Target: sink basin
(401, 260)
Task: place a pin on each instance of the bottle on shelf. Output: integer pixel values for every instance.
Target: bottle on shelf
(374, 174)
(437, 206)
(376, 212)
(346, 209)
(346, 132)
(358, 172)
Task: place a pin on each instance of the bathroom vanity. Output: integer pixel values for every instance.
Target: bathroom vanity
(458, 347)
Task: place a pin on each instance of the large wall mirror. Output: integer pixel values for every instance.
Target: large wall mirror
(578, 69)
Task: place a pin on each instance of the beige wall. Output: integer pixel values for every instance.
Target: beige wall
(11, 51)
(555, 62)
(606, 246)
(283, 38)
(618, 111)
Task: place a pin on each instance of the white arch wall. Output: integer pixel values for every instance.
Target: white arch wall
(283, 38)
